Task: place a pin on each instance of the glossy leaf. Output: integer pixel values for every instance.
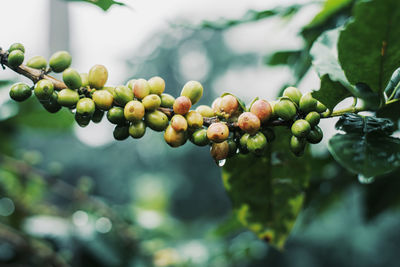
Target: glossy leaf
(330, 93)
(353, 123)
(393, 83)
(103, 4)
(330, 8)
(283, 58)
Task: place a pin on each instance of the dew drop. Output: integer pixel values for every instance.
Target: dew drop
(365, 180)
(221, 163)
(237, 151)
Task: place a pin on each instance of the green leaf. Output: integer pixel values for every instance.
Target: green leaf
(393, 83)
(283, 58)
(103, 4)
(267, 192)
(241, 102)
(330, 8)
(391, 111)
(369, 46)
(353, 123)
(330, 93)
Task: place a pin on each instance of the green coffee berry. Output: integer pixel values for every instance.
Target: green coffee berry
(307, 103)
(51, 105)
(249, 122)
(182, 105)
(232, 148)
(313, 118)
(68, 97)
(60, 61)
(103, 99)
(84, 79)
(97, 115)
(151, 102)
(82, 121)
(121, 132)
(141, 89)
(123, 95)
(37, 62)
(199, 137)
(98, 76)
(167, 101)
(228, 104)
(16, 46)
(262, 109)
(115, 115)
(134, 110)
(315, 136)
(301, 128)
(20, 91)
(72, 78)
(85, 107)
(111, 90)
(157, 85)
(179, 123)
(156, 120)
(137, 129)
(297, 145)
(131, 84)
(43, 89)
(256, 143)
(15, 58)
(320, 107)
(194, 119)
(193, 90)
(220, 151)
(285, 109)
(174, 138)
(218, 132)
(273, 113)
(293, 93)
(205, 111)
(243, 143)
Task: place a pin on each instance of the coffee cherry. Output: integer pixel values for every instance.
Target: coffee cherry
(179, 123)
(151, 102)
(51, 105)
(307, 103)
(269, 134)
(220, 151)
(123, 95)
(167, 101)
(84, 79)
(313, 118)
(134, 111)
(315, 136)
(137, 129)
(43, 89)
(243, 143)
(68, 97)
(157, 85)
(121, 132)
(60, 61)
(174, 138)
(103, 99)
(193, 90)
(228, 104)
(20, 91)
(249, 122)
(218, 132)
(285, 109)
(297, 145)
(115, 115)
(256, 143)
(300, 128)
(16, 46)
(97, 115)
(205, 111)
(320, 107)
(82, 121)
(15, 58)
(194, 119)
(199, 137)
(182, 105)
(85, 107)
(293, 93)
(216, 106)
(262, 109)
(111, 90)
(37, 62)
(141, 89)
(156, 120)
(273, 113)
(72, 78)
(131, 84)
(98, 76)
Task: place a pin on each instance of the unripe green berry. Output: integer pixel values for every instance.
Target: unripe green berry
(20, 91)
(194, 119)
(15, 58)
(220, 151)
(85, 107)
(300, 128)
(115, 115)
(249, 122)
(37, 62)
(182, 105)
(315, 136)
(68, 97)
(134, 111)
(60, 61)
(193, 90)
(82, 121)
(256, 143)
(199, 137)
(72, 78)
(262, 109)
(43, 89)
(151, 102)
(167, 101)
(320, 107)
(103, 99)
(156, 120)
(243, 143)
(313, 118)
(98, 76)
(307, 103)
(285, 109)
(297, 145)
(16, 46)
(218, 132)
(123, 95)
(179, 123)
(157, 85)
(97, 115)
(273, 113)
(141, 89)
(137, 129)
(84, 79)
(51, 105)
(205, 111)
(111, 90)
(228, 104)
(293, 93)
(131, 84)
(174, 138)
(121, 132)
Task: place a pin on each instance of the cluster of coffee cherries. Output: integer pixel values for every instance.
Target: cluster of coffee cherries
(227, 126)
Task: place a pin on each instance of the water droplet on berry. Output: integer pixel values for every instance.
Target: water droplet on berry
(221, 163)
(365, 180)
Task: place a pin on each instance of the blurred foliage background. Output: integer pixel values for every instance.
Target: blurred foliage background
(74, 197)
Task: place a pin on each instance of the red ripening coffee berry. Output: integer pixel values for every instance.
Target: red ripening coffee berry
(182, 105)
(228, 104)
(218, 132)
(249, 122)
(262, 109)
